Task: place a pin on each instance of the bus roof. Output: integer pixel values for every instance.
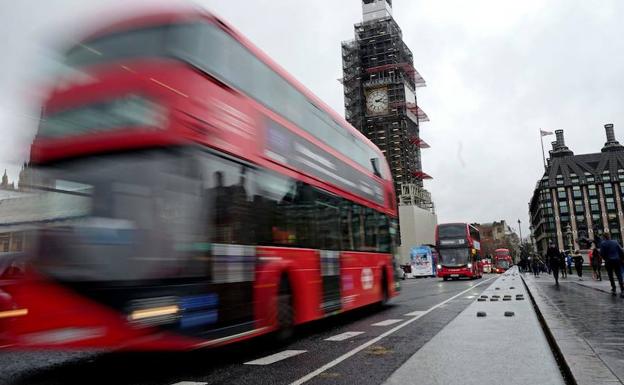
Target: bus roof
(170, 15)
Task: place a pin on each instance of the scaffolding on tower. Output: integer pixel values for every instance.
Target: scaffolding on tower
(377, 58)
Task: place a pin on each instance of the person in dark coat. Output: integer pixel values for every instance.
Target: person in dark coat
(577, 258)
(562, 263)
(596, 262)
(553, 255)
(536, 267)
(612, 254)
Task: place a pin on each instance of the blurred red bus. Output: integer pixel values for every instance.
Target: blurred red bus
(502, 260)
(458, 247)
(195, 194)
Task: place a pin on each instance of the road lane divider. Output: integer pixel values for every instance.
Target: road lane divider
(190, 383)
(365, 345)
(343, 336)
(387, 322)
(416, 313)
(273, 358)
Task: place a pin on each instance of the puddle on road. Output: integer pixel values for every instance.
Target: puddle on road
(378, 351)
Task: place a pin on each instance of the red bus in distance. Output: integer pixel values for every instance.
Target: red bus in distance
(502, 260)
(458, 246)
(193, 194)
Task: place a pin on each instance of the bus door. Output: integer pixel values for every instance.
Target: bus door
(330, 276)
(328, 231)
(228, 190)
(233, 274)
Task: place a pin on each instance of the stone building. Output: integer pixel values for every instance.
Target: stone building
(579, 196)
(498, 235)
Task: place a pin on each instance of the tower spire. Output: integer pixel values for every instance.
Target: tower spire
(5, 180)
(376, 9)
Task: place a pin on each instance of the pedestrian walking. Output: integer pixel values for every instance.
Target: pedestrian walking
(569, 263)
(536, 267)
(553, 255)
(596, 261)
(578, 263)
(612, 254)
(563, 260)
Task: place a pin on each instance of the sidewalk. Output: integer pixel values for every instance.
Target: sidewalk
(603, 285)
(587, 325)
(495, 349)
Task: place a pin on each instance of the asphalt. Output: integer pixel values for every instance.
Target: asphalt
(423, 309)
(493, 341)
(587, 325)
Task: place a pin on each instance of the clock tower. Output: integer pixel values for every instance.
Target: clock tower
(380, 84)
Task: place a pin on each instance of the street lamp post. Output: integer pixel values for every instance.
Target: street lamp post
(568, 233)
(520, 230)
(532, 235)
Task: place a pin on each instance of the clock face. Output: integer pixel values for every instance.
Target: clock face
(377, 101)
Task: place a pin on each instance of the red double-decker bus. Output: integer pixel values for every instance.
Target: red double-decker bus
(191, 193)
(502, 260)
(458, 246)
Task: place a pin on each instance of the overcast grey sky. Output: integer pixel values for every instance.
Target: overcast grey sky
(496, 72)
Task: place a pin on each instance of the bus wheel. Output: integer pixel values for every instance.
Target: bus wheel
(285, 313)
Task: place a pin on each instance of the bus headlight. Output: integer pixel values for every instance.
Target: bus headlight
(470, 265)
(439, 266)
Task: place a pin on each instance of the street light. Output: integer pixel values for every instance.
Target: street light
(520, 230)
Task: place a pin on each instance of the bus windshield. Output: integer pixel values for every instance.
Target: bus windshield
(503, 263)
(120, 217)
(452, 231)
(454, 257)
(160, 41)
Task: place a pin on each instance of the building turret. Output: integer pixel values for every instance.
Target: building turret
(612, 144)
(559, 147)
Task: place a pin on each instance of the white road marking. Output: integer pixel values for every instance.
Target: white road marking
(268, 360)
(343, 336)
(190, 383)
(387, 322)
(417, 313)
(470, 296)
(354, 351)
